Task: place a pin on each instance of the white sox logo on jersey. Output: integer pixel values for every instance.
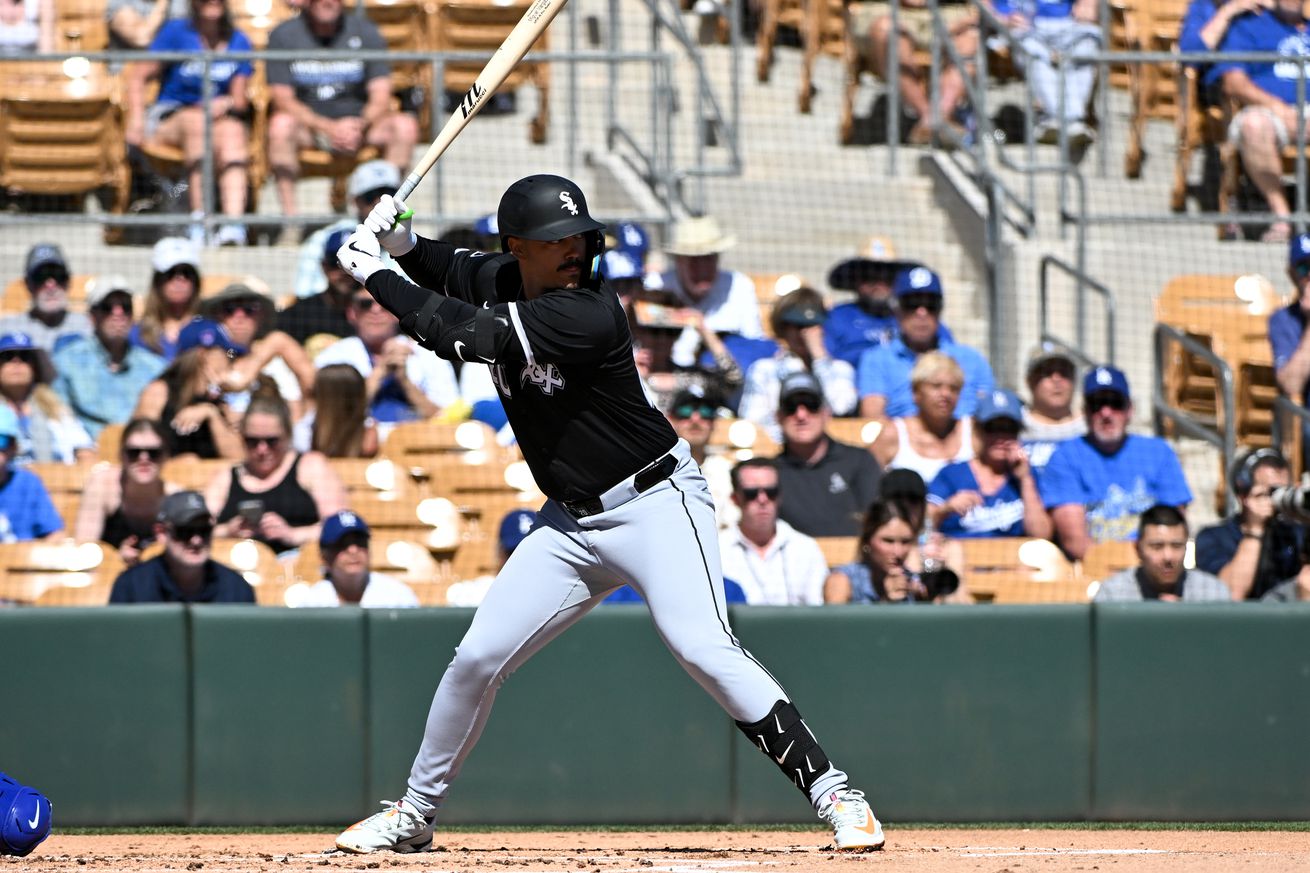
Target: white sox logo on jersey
(567, 199)
(546, 378)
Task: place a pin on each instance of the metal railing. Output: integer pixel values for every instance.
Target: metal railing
(1083, 284)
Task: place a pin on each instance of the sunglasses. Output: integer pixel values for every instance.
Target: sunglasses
(1001, 428)
(1301, 270)
(182, 270)
(915, 302)
(107, 307)
(254, 442)
(687, 410)
(1116, 402)
(189, 532)
(150, 453)
(364, 304)
(749, 494)
(252, 308)
(347, 541)
(1053, 368)
(809, 404)
(40, 277)
(15, 355)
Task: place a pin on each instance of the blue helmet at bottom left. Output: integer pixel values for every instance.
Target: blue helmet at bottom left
(24, 817)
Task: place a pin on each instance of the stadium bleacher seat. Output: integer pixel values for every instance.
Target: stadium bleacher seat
(31, 569)
(1019, 570)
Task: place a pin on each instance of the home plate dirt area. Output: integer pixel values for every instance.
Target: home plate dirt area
(721, 851)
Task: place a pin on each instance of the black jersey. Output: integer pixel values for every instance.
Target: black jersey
(567, 377)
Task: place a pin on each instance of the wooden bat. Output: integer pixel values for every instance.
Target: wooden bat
(533, 23)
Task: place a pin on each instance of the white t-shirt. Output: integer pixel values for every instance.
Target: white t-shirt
(791, 573)
(381, 592)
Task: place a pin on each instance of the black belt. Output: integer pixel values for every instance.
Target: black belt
(646, 478)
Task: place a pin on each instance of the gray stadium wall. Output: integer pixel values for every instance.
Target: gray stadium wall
(238, 716)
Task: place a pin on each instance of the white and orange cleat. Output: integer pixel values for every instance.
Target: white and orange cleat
(854, 827)
(397, 827)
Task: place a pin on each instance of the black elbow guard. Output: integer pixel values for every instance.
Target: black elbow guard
(424, 325)
(478, 339)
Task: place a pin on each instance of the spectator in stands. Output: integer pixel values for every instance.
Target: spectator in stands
(725, 297)
(624, 261)
(1293, 590)
(1253, 551)
(656, 332)
(26, 510)
(323, 313)
(177, 117)
(121, 501)
(1266, 92)
(934, 434)
(134, 23)
(1049, 34)
(188, 396)
(773, 563)
(693, 413)
(870, 320)
(514, 529)
(1049, 419)
(1161, 545)
(245, 312)
(173, 299)
(365, 187)
(1206, 23)
(994, 494)
(828, 484)
(1288, 338)
(184, 572)
(889, 566)
(276, 494)
(347, 579)
(883, 374)
(48, 322)
(27, 27)
(339, 425)
(1096, 486)
(335, 105)
(797, 321)
(915, 22)
(48, 429)
(101, 376)
(402, 385)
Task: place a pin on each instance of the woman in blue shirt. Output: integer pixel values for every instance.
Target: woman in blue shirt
(176, 119)
(995, 494)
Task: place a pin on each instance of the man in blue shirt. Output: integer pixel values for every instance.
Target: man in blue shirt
(26, 510)
(883, 377)
(101, 377)
(1266, 91)
(184, 573)
(1287, 334)
(1096, 486)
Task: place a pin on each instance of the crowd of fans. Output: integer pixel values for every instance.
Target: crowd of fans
(280, 393)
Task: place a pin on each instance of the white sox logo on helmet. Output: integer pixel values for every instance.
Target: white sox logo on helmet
(567, 199)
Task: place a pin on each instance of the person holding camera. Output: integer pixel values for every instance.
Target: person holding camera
(1253, 550)
(890, 567)
(1161, 545)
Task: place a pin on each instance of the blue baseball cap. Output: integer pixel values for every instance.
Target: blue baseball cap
(43, 369)
(998, 403)
(515, 527)
(335, 240)
(1105, 378)
(487, 225)
(203, 333)
(618, 264)
(1298, 251)
(337, 526)
(916, 280)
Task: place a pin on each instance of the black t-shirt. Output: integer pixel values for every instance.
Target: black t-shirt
(331, 87)
(149, 582)
(567, 380)
(311, 316)
(829, 498)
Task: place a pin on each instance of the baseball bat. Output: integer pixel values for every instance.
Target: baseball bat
(533, 23)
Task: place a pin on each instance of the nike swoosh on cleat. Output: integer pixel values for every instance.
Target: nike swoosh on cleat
(870, 826)
(36, 817)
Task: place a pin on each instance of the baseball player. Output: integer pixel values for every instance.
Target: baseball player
(557, 342)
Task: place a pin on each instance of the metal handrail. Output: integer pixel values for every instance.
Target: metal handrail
(1083, 283)
(1285, 404)
(1222, 436)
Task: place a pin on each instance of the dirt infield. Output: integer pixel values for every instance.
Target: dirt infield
(908, 851)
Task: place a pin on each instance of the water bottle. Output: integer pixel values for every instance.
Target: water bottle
(930, 565)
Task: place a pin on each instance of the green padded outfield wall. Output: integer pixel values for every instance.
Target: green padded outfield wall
(1203, 712)
(233, 715)
(946, 714)
(94, 711)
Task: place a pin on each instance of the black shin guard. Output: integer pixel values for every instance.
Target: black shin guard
(783, 736)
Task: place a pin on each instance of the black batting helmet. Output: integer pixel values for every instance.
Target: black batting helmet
(544, 207)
